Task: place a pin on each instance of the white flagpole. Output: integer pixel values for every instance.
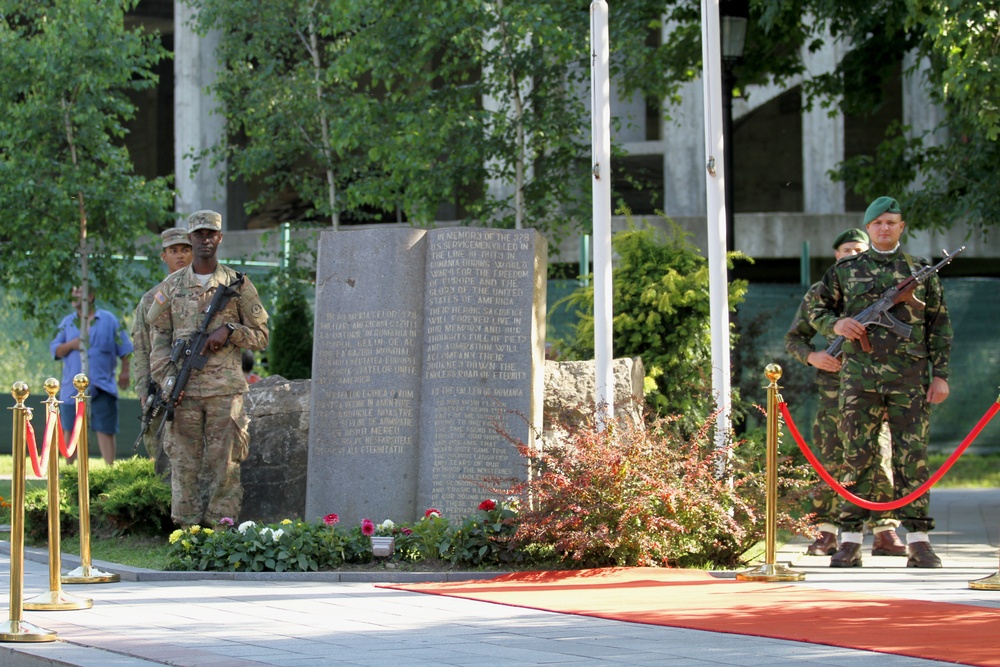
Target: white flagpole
(716, 209)
(601, 131)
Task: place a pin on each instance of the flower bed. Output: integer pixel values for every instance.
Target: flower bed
(481, 539)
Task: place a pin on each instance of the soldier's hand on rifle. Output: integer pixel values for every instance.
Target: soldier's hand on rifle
(824, 361)
(849, 328)
(217, 340)
(938, 391)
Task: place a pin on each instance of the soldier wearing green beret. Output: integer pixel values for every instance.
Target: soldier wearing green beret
(826, 429)
(898, 380)
(176, 254)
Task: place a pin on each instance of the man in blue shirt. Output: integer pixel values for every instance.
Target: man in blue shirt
(108, 343)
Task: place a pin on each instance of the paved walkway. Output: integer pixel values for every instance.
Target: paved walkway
(153, 618)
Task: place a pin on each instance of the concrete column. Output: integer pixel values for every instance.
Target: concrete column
(920, 112)
(197, 127)
(684, 154)
(822, 139)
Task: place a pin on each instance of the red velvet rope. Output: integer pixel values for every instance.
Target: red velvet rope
(39, 462)
(895, 504)
(74, 439)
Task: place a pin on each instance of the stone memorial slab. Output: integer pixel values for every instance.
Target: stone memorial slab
(423, 340)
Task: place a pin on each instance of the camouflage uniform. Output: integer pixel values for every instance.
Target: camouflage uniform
(826, 430)
(209, 432)
(141, 377)
(891, 381)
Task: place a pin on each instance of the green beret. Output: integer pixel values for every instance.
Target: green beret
(855, 234)
(880, 206)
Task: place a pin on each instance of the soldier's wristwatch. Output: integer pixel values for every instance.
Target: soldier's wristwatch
(231, 327)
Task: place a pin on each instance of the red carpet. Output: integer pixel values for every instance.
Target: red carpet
(695, 599)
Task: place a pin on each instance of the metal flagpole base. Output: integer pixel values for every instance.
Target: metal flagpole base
(22, 631)
(87, 574)
(990, 583)
(57, 601)
(771, 572)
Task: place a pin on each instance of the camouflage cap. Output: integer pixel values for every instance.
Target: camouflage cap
(204, 220)
(856, 235)
(174, 236)
(880, 206)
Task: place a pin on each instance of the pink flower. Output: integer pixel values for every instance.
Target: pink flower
(407, 531)
(431, 512)
(488, 505)
(331, 519)
(367, 527)
(225, 521)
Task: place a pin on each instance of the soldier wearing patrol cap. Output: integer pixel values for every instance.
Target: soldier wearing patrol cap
(826, 429)
(209, 436)
(176, 254)
(898, 380)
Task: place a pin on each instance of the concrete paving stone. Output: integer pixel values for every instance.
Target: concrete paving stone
(294, 621)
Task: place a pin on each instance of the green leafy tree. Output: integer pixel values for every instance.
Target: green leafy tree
(73, 204)
(462, 94)
(946, 178)
(661, 314)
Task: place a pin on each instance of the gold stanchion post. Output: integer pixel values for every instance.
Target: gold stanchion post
(86, 573)
(56, 599)
(992, 582)
(769, 570)
(16, 629)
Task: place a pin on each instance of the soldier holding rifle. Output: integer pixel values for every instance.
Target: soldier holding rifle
(176, 255)
(196, 358)
(886, 375)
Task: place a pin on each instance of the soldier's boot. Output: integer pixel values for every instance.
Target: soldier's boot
(887, 543)
(825, 545)
(849, 555)
(920, 554)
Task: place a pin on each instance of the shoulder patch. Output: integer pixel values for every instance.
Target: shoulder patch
(160, 297)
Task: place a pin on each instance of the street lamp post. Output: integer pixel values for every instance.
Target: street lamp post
(733, 18)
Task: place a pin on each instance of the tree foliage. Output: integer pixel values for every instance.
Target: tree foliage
(945, 176)
(661, 314)
(65, 176)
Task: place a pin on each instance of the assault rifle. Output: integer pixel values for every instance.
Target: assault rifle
(877, 314)
(190, 354)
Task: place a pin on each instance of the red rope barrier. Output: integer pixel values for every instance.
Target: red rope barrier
(910, 497)
(40, 462)
(33, 450)
(74, 439)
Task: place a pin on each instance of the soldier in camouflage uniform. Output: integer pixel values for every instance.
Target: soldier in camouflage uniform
(826, 429)
(176, 255)
(898, 379)
(209, 436)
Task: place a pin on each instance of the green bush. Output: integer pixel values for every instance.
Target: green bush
(662, 309)
(126, 498)
(36, 515)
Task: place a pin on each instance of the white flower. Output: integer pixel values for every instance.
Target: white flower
(276, 535)
(246, 525)
(387, 525)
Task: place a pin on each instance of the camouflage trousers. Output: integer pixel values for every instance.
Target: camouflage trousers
(861, 416)
(827, 440)
(209, 439)
(153, 439)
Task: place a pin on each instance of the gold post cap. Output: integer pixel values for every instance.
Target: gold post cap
(19, 391)
(773, 372)
(81, 382)
(51, 387)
